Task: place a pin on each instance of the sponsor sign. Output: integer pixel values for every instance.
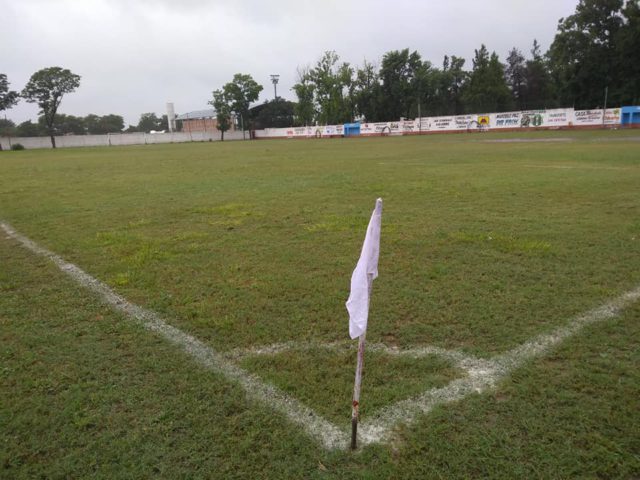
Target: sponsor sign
(557, 118)
(505, 120)
(532, 118)
(587, 117)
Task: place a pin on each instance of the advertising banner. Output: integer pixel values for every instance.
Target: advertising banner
(583, 118)
(505, 120)
(559, 117)
(612, 116)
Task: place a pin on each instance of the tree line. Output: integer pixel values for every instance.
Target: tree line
(595, 54)
(594, 58)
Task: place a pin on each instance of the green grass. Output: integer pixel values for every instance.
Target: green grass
(243, 244)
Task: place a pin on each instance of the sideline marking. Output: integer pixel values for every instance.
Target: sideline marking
(482, 374)
(326, 433)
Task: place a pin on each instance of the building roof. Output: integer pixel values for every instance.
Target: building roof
(197, 114)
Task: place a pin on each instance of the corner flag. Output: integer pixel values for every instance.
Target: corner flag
(365, 272)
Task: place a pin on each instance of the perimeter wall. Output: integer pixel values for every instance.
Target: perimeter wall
(529, 119)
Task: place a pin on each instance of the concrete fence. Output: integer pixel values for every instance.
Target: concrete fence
(115, 139)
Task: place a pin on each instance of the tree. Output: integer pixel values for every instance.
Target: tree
(222, 105)
(515, 72)
(28, 129)
(8, 98)
(367, 96)
(275, 113)
(448, 85)
(539, 90)
(240, 92)
(487, 90)
(305, 112)
(63, 125)
(403, 76)
(7, 128)
(149, 121)
(330, 84)
(97, 125)
(585, 57)
(46, 87)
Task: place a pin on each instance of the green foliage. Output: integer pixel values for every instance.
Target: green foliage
(46, 87)
(28, 129)
(17, 146)
(240, 93)
(149, 121)
(598, 47)
(97, 125)
(222, 104)
(367, 94)
(8, 98)
(515, 73)
(272, 114)
(305, 111)
(403, 76)
(487, 90)
(62, 125)
(7, 128)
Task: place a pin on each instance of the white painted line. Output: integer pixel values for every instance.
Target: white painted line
(579, 167)
(461, 360)
(378, 427)
(326, 433)
(485, 374)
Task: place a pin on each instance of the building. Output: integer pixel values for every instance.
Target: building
(202, 121)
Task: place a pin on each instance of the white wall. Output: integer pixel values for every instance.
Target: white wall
(113, 139)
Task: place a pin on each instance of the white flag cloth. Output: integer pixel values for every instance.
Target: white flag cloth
(365, 272)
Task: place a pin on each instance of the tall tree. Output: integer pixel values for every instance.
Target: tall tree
(627, 67)
(487, 90)
(332, 89)
(241, 92)
(8, 98)
(583, 53)
(448, 87)
(515, 72)
(149, 121)
(304, 89)
(539, 91)
(46, 87)
(399, 75)
(222, 104)
(367, 96)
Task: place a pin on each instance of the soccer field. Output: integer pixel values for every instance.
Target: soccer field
(504, 327)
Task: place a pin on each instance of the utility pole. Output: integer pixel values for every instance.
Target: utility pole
(604, 110)
(274, 80)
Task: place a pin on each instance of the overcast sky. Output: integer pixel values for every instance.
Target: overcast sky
(136, 55)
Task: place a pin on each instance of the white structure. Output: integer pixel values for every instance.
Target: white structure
(171, 117)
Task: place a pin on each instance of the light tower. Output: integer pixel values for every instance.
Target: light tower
(274, 80)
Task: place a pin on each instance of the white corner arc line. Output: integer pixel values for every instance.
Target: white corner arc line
(318, 428)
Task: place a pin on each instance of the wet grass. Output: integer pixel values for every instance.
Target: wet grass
(243, 244)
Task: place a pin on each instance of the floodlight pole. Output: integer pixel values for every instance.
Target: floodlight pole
(274, 79)
(355, 405)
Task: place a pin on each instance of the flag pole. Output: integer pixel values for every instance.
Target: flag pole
(355, 411)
